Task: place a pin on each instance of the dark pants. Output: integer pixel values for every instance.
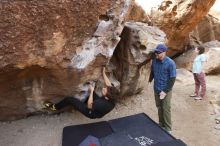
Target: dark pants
(77, 104)
(164, 110)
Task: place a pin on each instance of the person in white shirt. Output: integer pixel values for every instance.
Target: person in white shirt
(198, 73)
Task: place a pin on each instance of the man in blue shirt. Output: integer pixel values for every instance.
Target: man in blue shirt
(163, 71)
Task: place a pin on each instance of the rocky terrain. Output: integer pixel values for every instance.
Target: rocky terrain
(193, 121)
(50, 49)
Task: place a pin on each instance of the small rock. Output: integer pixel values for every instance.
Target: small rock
(20, 131)
(217, 127)
(14, 134)
(217, 117)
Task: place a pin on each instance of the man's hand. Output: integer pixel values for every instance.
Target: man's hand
(162, 95)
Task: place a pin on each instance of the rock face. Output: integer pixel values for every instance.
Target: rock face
(132, 56)
(213, 64)
(178, 18)
(207, 30)
(139, 15)
(49, 49)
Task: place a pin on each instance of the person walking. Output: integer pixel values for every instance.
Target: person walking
(198, 73)
(163, 71)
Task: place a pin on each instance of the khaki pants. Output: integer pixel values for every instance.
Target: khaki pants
(164, 110)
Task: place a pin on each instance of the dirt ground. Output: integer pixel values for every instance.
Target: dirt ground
(193, 121)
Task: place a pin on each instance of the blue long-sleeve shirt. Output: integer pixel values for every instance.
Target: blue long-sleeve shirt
(162, 72)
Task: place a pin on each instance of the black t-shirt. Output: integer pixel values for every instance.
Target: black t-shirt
(102, 106)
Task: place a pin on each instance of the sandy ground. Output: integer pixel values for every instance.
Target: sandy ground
(193, 121)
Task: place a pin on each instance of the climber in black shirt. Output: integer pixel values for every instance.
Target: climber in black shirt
(94, 106)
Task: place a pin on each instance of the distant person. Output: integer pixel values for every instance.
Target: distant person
(94, 106)
(163, 71)
(198, 73)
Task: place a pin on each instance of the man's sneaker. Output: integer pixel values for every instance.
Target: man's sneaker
(53, 108)
(198, 98)
(193, 95)
(169, 131)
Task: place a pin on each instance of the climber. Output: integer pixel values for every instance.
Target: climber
(95, 106)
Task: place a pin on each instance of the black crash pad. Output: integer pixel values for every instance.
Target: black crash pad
(134, 130)
(142, 128)
(74, 135)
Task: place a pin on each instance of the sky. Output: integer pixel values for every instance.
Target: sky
(216, 6)
(148, 4)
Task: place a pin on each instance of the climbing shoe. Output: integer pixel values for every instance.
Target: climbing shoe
(50, 106)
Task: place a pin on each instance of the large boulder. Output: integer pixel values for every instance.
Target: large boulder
(207, 30)
(50, 49)
(184, 76)
(212, 66)
(131, 59)
(178, 18)
(185, 60)
(139, 15)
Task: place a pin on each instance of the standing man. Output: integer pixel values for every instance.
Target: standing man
(163, 71)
